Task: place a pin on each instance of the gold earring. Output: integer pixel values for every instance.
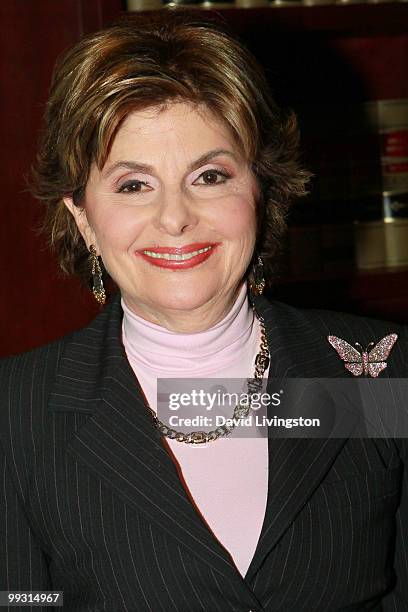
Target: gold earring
(257, 280)
(97, 285)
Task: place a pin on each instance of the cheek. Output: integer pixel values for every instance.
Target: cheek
(236, 220)
(117, 227)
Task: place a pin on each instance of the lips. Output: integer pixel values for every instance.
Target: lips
(178, 258)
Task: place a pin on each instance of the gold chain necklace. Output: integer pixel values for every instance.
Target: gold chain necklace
(241, 410)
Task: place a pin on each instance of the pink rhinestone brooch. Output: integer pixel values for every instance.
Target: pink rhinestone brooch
(369, 362)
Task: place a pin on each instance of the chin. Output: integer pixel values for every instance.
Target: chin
(185, 296)
(184, 302)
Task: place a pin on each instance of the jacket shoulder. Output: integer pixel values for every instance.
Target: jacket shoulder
(27, 382)
(29, 371)
(305, 331)
(27, 379)
(40, 365)
(364, 330)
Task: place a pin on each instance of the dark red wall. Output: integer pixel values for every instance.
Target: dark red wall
(37, 304)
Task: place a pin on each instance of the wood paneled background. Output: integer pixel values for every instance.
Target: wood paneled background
(37, 303)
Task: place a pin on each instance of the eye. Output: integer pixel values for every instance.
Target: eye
(212, 177)
(134, 186)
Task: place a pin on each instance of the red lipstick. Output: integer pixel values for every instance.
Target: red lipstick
(178, 258)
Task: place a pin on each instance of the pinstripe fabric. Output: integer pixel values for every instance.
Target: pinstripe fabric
(91, 504)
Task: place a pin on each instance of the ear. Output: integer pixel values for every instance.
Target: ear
(81, 221)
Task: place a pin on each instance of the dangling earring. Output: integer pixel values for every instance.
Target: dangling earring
(97, 289)
(257, 282)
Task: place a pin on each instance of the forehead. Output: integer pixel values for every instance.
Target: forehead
(178, 128)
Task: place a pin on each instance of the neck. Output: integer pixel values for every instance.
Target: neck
(153, 348)
(194, 320)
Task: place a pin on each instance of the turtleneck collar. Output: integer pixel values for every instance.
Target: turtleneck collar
(189, 354)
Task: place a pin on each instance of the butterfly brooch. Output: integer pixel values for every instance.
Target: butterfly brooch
(369, 362)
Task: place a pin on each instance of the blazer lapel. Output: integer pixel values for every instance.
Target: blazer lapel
(296, 465)
(118, 441)
(120, 445)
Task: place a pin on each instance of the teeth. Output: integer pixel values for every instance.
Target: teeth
(176, 256)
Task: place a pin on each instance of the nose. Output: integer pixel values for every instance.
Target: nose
(175, 214)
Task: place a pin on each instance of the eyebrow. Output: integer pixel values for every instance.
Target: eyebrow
(148, 169)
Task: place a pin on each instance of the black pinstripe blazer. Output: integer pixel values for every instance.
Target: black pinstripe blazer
(91, 503)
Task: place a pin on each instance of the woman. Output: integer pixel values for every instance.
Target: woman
(166, 165)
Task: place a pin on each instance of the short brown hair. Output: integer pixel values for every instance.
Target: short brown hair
(141, 62)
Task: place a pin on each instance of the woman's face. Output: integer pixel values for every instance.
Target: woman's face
(172, 213)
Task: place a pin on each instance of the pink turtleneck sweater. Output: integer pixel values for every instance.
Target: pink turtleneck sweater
(226, 478)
